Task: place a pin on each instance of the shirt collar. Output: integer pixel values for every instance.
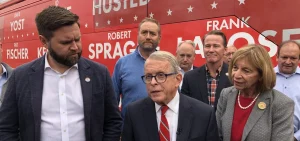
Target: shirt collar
(218, 70)
(276, 69)
(4, 71)
(137, 51)
(48, 66)
(192, 68)
(173, 104)
(182, 71)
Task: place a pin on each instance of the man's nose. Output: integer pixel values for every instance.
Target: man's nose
(288, 61)
(153, 81)
(74, 46)
(185, 58)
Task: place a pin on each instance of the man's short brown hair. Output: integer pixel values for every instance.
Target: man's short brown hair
(217, 32)
(53, 18)
(152, 21)
(287, 42)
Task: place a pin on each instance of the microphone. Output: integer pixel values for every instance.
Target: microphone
(179, 130)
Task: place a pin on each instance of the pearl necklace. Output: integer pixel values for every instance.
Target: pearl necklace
(249, 104)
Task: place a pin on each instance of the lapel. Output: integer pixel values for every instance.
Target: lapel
(203, 84)
(184, 119)
(256, 113)
(149, 120)
(36, 78)
(229, 114)
(86, 81)
(4, 86)
(222, 81)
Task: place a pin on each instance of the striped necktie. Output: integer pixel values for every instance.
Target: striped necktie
(164, 134)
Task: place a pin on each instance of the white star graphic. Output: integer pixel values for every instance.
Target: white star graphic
(135, 18)
(121, 20)
(7, 37)
(151, 15)
(241, 2)
(32, 33)
(12, 37)
(214, 5)
(190, 9)
(17, 36)
(97, 24)
(108, 22)
(4, 38)
(56, 2)
(86, 25)
(27, 34)
(169, 12)
(22, 35)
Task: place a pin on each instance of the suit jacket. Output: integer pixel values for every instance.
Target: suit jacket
(9, 72)
(194, 67)
(196, 121)
(195, 84)
(274, 123)
(21, 110)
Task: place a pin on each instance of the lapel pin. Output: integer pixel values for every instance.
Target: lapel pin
(226, 74)
(87, 79)
(262, 105)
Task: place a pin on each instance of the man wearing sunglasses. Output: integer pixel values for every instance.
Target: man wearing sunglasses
(166, 115)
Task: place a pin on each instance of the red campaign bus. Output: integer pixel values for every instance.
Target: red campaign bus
(109, 27)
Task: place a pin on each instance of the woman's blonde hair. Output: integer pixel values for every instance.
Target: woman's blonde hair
(258, 57)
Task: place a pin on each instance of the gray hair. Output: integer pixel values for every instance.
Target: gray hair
(188, 42)
(166, 56)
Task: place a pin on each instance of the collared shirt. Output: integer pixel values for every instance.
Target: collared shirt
(182, 72)
(127, 79)
(3, 78)
(290, 86)
(62, 116)
(212, 84)
(171, 115)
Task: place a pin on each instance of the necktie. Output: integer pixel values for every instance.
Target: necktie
(164, 134)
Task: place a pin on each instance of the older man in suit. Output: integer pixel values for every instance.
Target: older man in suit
(5, 73)
(60, 96)
(166, 115)
(206, 82)
(185, 55)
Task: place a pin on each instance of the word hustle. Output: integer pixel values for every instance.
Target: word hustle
(107, 6)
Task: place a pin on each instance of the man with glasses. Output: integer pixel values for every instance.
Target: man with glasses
(128, 67)
(206, 82)
(166, 115)
(229, 53)
(185, 56)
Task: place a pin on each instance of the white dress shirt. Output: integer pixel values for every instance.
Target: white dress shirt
(62, 116)
(171, 115)
(182, 72)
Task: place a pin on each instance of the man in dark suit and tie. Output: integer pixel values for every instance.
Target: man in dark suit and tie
(60, 96)
(206, 82)
(167, 115)
(185, 55)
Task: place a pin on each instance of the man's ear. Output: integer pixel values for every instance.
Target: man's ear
(43, 40)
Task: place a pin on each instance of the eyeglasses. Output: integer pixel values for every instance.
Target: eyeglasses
(159, 77)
